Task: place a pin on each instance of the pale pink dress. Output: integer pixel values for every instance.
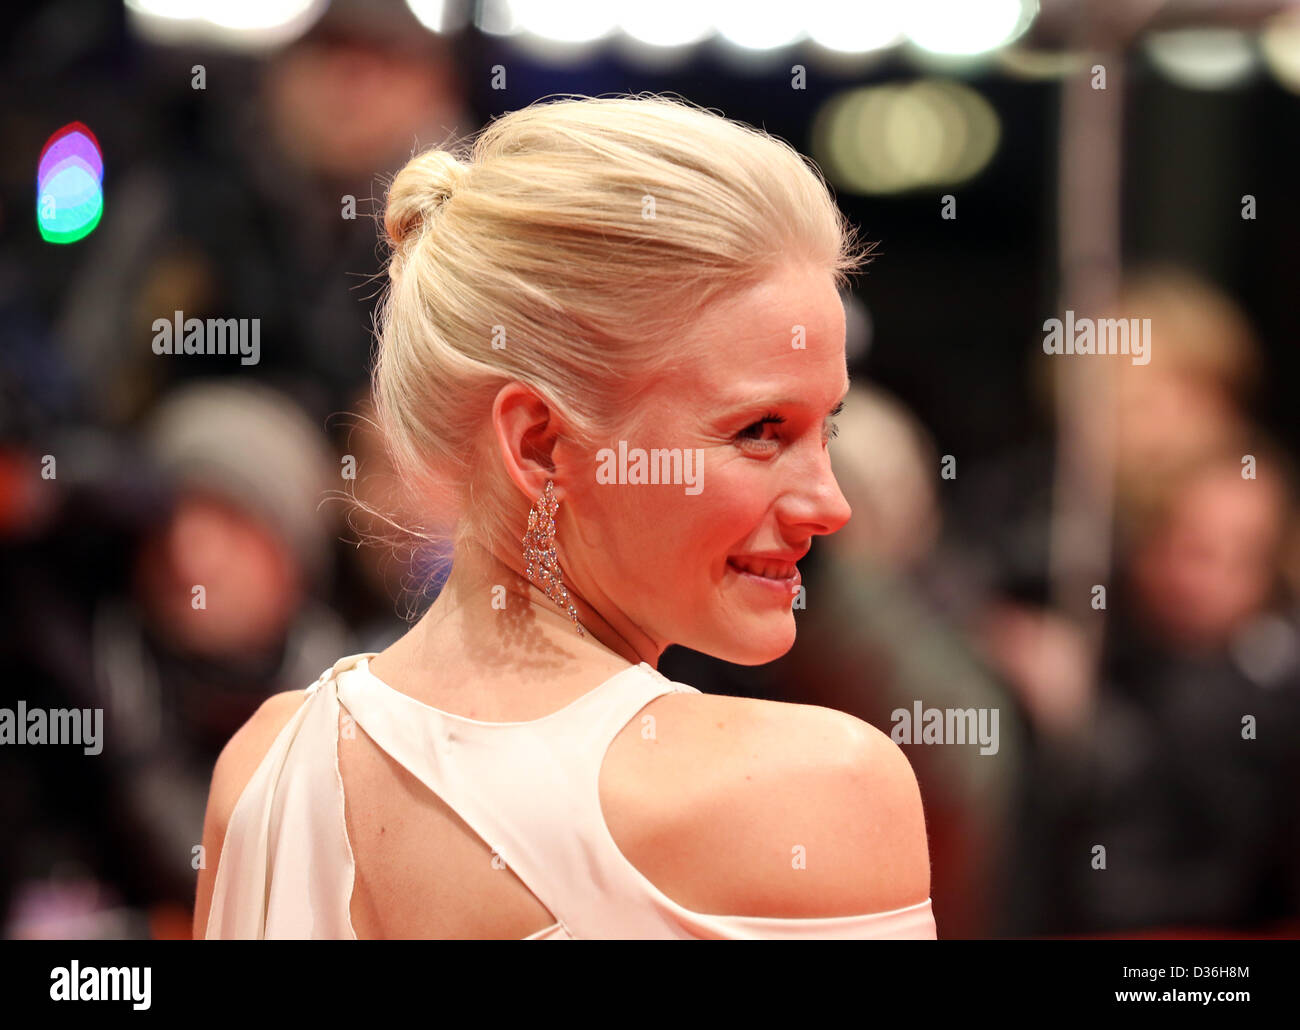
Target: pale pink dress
(528, 789)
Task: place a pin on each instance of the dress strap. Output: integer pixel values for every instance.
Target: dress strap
(529, 790)
(285, 868)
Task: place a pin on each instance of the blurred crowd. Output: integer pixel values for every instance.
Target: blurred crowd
(176, 533)
(1143, 786)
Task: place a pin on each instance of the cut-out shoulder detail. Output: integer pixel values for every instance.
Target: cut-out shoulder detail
(529, 790)
(396, 826)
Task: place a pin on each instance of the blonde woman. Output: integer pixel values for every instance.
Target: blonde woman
(594, 283)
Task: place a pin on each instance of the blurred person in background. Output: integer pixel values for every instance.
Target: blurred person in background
(1193, 397)
(255, 199)
(1193, 766)
(1189, 403)
(217, 607)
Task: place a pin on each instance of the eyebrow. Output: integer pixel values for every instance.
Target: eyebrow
(793, 402)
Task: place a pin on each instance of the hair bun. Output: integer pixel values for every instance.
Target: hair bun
(419, 189)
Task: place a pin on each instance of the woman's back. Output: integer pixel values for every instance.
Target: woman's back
(636, 807)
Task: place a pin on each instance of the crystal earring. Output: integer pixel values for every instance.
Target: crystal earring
(539, 552)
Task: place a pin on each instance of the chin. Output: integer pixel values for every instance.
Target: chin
(761, 640)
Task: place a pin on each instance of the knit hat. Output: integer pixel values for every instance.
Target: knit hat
(255, 446)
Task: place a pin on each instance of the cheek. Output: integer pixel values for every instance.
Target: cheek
(643, 531)
(726, 517)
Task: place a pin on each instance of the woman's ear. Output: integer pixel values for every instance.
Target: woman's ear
(526, 429)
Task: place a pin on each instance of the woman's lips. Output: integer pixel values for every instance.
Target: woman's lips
(785, 583)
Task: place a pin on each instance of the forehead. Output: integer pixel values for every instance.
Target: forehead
(788, 328)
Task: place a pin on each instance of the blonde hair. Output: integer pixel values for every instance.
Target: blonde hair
(569, 246)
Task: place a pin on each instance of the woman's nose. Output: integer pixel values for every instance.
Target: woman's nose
(820, 507)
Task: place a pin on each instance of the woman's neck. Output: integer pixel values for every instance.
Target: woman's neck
(489, 609)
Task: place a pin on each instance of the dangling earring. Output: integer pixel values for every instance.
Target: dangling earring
(539, 552)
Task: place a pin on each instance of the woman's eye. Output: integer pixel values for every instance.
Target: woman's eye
(756, 433)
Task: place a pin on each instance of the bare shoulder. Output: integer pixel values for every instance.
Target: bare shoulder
(761, 808)
(244, 751)
(235, 766)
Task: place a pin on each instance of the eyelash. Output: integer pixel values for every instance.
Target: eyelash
(776, 419)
